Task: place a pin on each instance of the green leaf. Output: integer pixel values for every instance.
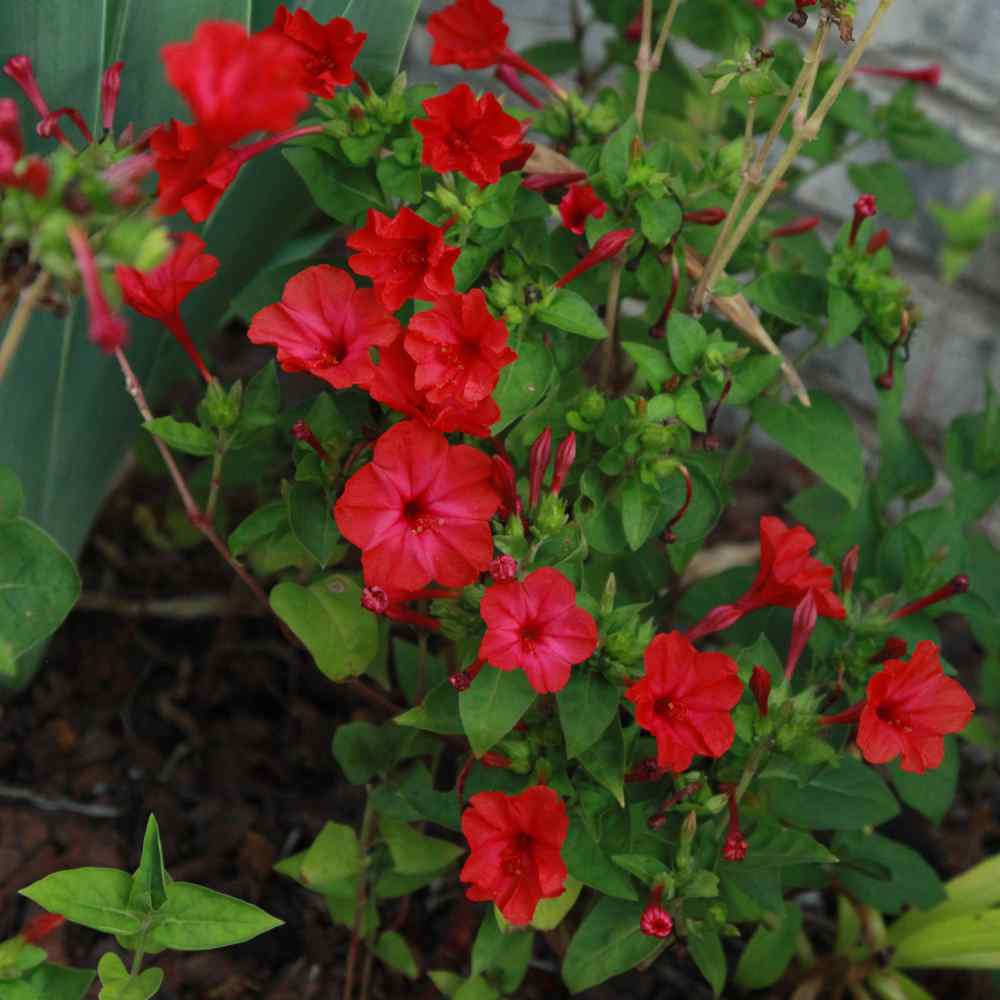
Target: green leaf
(414, 853)
(847, 796)
(651, 362)
(392, 949)
(640, 505)
(907, 877)
(493, 705)
(11, 495)
(706, 950)
(502, 955)
(327, 616)
(523, 384)
(660, 219)
(904, 468)
(891, 187)
(616, 155)
(149, 882)
(752, 377)
(686, 341)
(261, 401)
(703, 512)
(822, 437)
(769, 951)
(311, 520)
(259, 525)
(97, 898)
(799, 299)
(437, 713)
(497, 206)
(50, 982)
(573, 313)
(932, 792)
(333, 857)
(550, 913)
(845, 315)
(388, 29)
(195, 918)
(607, 943)
(119, 985)
(775, 846)
(413, 797)
(182, 436)
(587, 862)
(344, 193)
(690, 408)
(39, 585)
(587, 704)
(605, 760)
(969, 941)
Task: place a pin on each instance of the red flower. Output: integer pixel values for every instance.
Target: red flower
(41, 927)
(325, 326)
(607, 246)
(326, 51)
(474, 137)
(459, 349)
(106, 328)
(930, 75)
(470, 33)
(394, 385)
(655, 920)
(515, 844)
(176, 145)
(910, 708)
(420, 510)
(405, 256)
(160, 292)
(685, 699)
(580, 203)
(236, 83)
(536, 626)
(34, 175)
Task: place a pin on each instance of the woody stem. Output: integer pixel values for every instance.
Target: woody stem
(647, 61)
(191, 508)
(611, 323)
(26, 304)
(801, 136)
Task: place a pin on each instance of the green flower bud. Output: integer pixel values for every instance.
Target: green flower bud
(519, 753)
(500, 294)
(608, 596)
(656, 438)
(592, 406)
(551, 516)
(221, 409)
(717, 914)
(514, 316)
(714, 805)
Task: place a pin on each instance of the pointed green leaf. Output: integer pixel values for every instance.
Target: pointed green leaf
(414, 853)
(571, 312)
(769, 951)
(333, 856)
(605, 760)
(149, 882)
(587, 704)
(493, 705)
(50, 982)
(392, 949)
(93, 897)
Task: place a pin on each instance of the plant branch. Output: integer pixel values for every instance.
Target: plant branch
(647, 62)
(191, 508)
(26, 304)
(361, 898)
(808, 131)
(216, 484)
(611, 323)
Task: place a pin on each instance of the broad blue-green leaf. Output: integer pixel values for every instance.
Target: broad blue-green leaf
(94, 897)
(822, 437)
(493, 705)
(195, 918)
(607, 943)
(327, 616)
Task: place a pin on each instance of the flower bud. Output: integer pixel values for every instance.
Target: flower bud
(956, 585)
(565, 457)
(796, 228)
(864, 208)
(655, 920)
(551, 516)
(894, 648)
(849, 568)
(538, 465)
(760, 687)
(608, 246)
(706, 217)
(41, 927)
(503, 569)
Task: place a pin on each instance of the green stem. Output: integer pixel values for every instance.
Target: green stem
(216, 484)
(611, 324)
(754, 761)
(361, 898)
(139, 955)
(26, 304)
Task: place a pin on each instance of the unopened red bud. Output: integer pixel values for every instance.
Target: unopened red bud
(878, 241)
(894, 648)
(864, 208)
(849, 568)
(608, 246)
(928, 75)
(633, 32)
(538, 464)
(706, 217)
(375, 599)
(111, 85)
(497, 760)
(508, 75)
(565, 457)
(735, 847)
(796, 228)
(956, 585)
(41, 927)
(760, 688)
(503, 569)
(356, 112)
(544, 182)
(301, 431)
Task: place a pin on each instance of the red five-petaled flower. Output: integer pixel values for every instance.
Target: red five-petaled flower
(405, 256)
(459, 349)
(475, 137)
(685, 699)
(325, 326)
(578, 204)
(535, 625)
(469, 33)
(515, 844)
(787, 574)
(326, 51)
(160, 292)
(420, 510)
(910, 708)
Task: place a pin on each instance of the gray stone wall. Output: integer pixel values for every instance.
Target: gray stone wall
(959, 342)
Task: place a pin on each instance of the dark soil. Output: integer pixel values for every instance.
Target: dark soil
(219, 726)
